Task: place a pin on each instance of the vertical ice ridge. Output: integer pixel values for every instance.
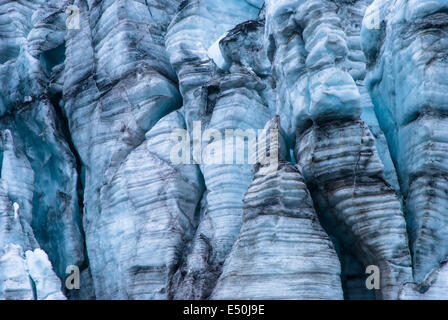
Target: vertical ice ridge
(16, 236)
(158, 200)
(340, 163)
(278, 215)
(118, 83)
(313, 65)
(194, 28)
(42, 176)
(237, 106)
(408, 84)
(359, 87)
(237, 99)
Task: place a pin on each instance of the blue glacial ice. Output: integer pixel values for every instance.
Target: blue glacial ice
(98, 97)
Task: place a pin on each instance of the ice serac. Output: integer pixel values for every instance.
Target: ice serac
(21, 278)
(267, 261)
(351, 15)
(197, 25)
(152, 204)
(40, 168)
(407, 79)
(349, 179)
(118, 84)
(310, 53)
(27, 276)
(233, 99)
(116, 154)
(46, 284)
(15, 282)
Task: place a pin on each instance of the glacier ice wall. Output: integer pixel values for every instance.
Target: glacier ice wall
(407, 78)
(335, 148)
(92, 91)
(277, 212)
(39, 169)
(238, 99)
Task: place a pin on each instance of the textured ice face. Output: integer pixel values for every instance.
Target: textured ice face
(433, 287)
(117, 84)
(354, 90)
(257, 265)
(38, 167)
(318, 66)
(47, 285)
(239, 100)
(27, 276)
(407, 79)
(308, 51)
(197, 25)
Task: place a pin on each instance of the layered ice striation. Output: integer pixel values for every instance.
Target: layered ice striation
(257, 268)
(314, 63)
(236, 100)
(407, 79)
(39, 172)
(123, 122)
(278, 212)
(118, 83)
(25, 270)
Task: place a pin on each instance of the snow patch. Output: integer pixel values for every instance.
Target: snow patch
(215, 53)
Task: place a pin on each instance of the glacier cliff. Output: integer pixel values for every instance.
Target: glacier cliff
(211, 149)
